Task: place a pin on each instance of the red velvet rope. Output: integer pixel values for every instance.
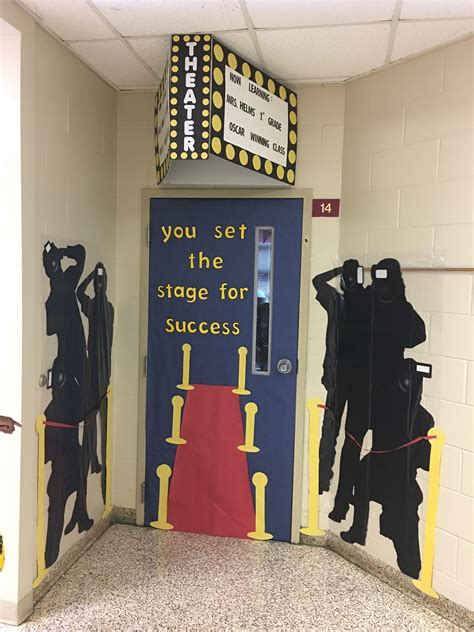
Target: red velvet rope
(58, 424)
(400, 447)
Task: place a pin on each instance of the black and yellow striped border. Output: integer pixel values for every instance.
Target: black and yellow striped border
(222, 57)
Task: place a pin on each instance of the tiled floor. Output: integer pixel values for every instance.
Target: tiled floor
(141, 579)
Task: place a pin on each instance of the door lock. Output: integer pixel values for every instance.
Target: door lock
(284, 366)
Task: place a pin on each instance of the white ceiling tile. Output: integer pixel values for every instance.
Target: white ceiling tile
(336, 51)
(415, 37)
(288, 13)
(114, 61)
(70, 19)
(241, 43)
(163, 17)
(315, 80)
(153, 50)
(422, 9)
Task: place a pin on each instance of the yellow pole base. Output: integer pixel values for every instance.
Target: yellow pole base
(40, 578)
(107, 511)
(40, 526)
(185, 387)
(248, 448)
(157, 524)
(428, 590)
(176, 441)
(241, 391)
(312, 531)
(258, 535)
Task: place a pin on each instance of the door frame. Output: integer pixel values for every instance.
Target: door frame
(195, 192)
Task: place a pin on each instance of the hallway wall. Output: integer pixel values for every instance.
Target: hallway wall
(407, 192)
(10, 280)
(320, 131)
(406, 174)
(69, 197)
(75, 160)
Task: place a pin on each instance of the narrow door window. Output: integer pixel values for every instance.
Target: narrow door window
(264, 241)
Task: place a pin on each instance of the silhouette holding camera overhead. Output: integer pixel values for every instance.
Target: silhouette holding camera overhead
(69, 393)
(345, 353)
(388, 475)
(100, 315)
(99, 312)
(393, 326)
(367, 334)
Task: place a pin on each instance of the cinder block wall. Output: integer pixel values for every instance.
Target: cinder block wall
(75, 178)
(382, 141)
(320, 143)
(69, 138)
(407, 193)
(320, 133)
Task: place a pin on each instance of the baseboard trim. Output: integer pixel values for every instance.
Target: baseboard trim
(123, 515)
(118, 515)
(69, 558)
(13, 612)
(450, 610)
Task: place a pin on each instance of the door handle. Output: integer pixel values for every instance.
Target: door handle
(284, 366)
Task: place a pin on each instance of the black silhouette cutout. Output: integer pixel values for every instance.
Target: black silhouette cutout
(344, 358)
(69, 384)
(394, 327)
(100, 315)
(389, 478)
(365, 373)
(80, 378)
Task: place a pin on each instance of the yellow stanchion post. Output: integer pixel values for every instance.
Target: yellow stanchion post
(313, 508)
(260, 480)
(185, 385)
(108, 457)
(2, 553)
(425, 582)
(163, 472)
(251, 410)
(241, 390)
(40, 526)
(178, 403)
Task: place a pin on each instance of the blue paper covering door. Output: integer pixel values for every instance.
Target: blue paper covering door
(224, 276)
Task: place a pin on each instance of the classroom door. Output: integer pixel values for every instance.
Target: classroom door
(223, 312)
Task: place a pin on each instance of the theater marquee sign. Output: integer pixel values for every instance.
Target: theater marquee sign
(222, 105)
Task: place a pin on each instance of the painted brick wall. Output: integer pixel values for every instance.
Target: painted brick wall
(320, 144)
(75, 199)
(407, 193)
(69, 138)
(320, 127)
